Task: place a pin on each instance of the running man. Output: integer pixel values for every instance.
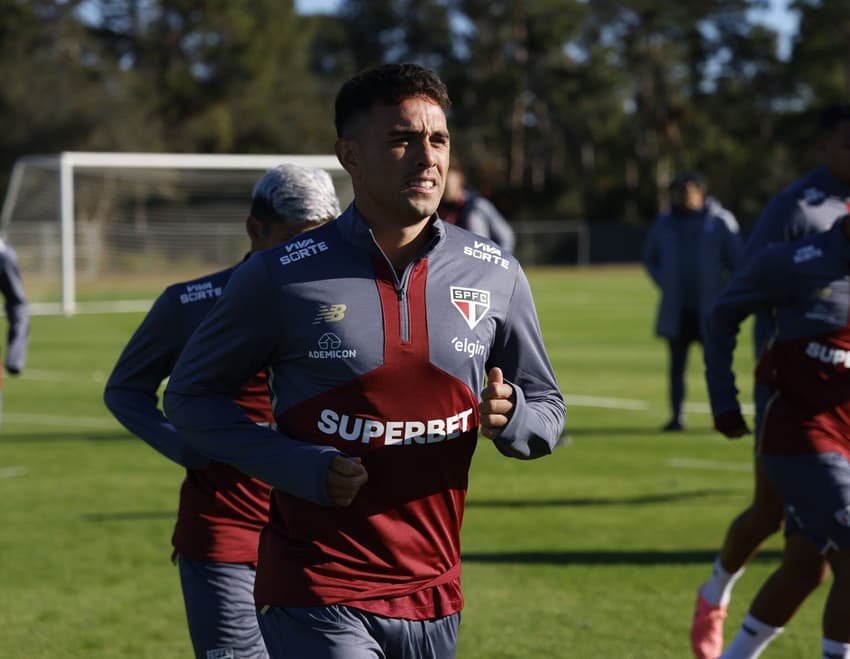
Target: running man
(378, 331)
(810, 205)
(221, 510)
(804, 443)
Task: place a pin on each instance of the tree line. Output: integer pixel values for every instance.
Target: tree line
(561, 108)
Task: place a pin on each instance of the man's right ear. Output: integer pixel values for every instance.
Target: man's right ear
(347, 153)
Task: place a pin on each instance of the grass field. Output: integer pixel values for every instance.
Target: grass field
(595, 551)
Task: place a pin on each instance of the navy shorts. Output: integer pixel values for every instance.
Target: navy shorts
(816, 488)
(343, 632)
(219, 599)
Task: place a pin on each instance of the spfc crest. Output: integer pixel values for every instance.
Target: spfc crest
(472, 303)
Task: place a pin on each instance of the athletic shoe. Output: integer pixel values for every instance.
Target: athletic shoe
(707, 629)
(674, 425)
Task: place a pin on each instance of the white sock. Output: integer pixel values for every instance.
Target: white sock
(835, 649)
(717, 591)
(752, 639)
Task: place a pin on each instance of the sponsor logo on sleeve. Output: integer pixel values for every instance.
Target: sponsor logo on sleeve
(807, 253)
(330, 347)
(201, 291)
(298, 250)
(486, 252)
(472, 303)
(330, 313)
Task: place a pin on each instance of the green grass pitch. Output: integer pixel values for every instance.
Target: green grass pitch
(595, 551)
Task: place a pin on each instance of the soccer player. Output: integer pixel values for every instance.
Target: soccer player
(17, 314)
(222, 510)
(689, 253)
(809, 205)
(378, 330)
(805, 437)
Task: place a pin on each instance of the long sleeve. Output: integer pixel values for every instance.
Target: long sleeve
(762, 282)
(17, 310)
(650, 253)
(236, 340)
(540, 412)
(131, 391)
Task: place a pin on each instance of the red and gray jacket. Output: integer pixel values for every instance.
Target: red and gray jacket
(377, 364)
(222, 510)
(805, 288)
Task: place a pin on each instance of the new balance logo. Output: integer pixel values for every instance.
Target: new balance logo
(330, 313)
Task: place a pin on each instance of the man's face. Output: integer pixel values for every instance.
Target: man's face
(398, 156)
(690, 196)
(836, 150)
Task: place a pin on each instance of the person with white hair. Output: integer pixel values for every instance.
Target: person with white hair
(221, 510)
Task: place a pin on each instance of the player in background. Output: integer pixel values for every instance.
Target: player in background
(809, 205)
(689, 253)
(17, 314)
(465, 207)
(378, 336)
(221, 510)
(804, 444)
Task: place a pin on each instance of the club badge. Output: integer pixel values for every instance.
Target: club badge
(473, 303)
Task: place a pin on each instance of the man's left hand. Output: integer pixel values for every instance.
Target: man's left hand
(497, 404)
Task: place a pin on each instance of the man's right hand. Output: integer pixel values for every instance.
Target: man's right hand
(346, 475)
(731, 424)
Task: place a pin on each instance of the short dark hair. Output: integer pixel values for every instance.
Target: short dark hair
(684, 178)
(833, 115)
(388, 84)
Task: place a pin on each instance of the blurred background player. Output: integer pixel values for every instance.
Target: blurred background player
(689, 253)
(221, 510)
(809, 205)
(17, 314)
(805, 438)
(465, 207)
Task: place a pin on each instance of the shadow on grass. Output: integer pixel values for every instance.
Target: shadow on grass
(665, 497)
(129, 516)
(608, 557)
(64, 435)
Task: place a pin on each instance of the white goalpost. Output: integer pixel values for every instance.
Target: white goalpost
(104, 222)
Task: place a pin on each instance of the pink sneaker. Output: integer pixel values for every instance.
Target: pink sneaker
(707, 629)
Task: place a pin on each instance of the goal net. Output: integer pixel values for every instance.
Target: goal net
(110, 230)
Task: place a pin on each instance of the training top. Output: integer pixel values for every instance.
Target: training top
(806, 287)
(809, 205)
(221, 510)
(383, 365)
(17, 310)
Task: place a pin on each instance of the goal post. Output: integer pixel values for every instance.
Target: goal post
(118, 214)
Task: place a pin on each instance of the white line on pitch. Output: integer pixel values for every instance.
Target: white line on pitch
(60, 420)
(690, 463)
(634, 404)
(60, 376)
(12, 471)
